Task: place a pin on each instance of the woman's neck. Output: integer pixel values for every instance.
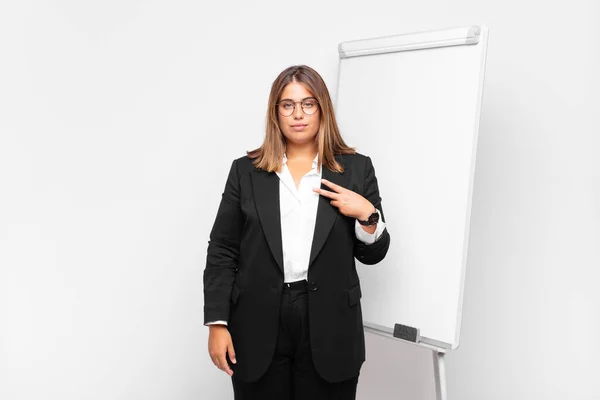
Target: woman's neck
(295, 152)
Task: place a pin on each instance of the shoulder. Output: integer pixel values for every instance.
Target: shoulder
(356, 161)
(243, 164)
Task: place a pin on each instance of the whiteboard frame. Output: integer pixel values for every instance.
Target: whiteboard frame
(459, 36)
(411, 41)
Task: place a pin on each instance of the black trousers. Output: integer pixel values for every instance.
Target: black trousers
(292, 375)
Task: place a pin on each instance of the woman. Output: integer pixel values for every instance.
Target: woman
(281, 292)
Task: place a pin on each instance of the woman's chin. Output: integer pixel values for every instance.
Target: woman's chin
(299, 138)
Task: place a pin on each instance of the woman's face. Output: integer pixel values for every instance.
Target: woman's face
(299, 127)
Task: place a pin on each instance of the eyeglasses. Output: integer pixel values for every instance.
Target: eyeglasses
(287, 107)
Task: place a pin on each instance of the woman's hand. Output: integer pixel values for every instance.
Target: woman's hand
(349, 203)
(219, 344)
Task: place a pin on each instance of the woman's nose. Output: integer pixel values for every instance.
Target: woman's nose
(298, 113)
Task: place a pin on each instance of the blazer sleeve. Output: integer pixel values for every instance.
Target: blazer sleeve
(372, 253)
(223, 251)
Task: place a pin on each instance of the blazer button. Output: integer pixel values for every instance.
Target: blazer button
(313, 286)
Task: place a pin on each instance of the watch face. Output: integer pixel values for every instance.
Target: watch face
(374, 218)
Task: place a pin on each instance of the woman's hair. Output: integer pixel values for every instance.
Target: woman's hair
(329, 142)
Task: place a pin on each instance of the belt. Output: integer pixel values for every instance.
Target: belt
(295, 285)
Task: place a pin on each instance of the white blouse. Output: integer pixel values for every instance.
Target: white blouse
(298, 217)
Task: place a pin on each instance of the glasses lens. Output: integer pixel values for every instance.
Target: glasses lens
(310, 106)
(286, 108)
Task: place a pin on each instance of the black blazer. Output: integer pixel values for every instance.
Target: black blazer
(243, 278)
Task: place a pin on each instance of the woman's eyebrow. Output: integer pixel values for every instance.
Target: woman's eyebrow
(310, 97)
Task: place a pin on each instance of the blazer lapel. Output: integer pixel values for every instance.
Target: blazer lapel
(326, 213)
(266, 196)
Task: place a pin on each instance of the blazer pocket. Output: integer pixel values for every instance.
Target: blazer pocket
(235, 294)
(354, 295)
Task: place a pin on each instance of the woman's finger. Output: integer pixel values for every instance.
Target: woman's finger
(231, 353)
(223, 364)
(214, 357)
(335, 187)
(327, 193)
(214, 360)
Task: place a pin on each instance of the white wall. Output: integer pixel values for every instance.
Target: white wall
(115, 138)
(531, 316)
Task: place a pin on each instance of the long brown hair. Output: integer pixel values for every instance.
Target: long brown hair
(329, 141)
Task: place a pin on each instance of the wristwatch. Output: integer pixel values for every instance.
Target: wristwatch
(372, 220)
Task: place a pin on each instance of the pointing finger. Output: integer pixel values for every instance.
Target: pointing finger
(333, 186)
(326, 193)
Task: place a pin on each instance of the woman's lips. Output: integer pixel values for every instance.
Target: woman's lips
(298, 127)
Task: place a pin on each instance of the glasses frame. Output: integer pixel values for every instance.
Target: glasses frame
(295, 102)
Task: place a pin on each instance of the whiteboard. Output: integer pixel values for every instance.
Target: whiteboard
(411, 103)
